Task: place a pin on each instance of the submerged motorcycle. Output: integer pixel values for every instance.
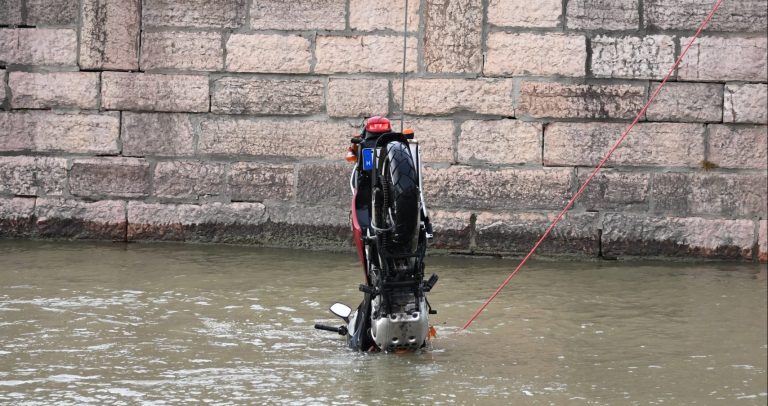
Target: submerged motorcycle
(391, 230)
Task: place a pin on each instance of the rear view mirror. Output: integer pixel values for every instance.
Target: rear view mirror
(341, 310)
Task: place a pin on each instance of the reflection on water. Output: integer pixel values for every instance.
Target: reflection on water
(169, 324)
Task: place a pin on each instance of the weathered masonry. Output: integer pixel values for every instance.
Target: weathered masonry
(227, 120)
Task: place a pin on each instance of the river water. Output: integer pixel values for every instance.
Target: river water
(84, 323)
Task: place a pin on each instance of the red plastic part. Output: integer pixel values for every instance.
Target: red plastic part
(357, 235)
(378, 124)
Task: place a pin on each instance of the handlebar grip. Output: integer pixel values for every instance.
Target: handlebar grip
(341, 330)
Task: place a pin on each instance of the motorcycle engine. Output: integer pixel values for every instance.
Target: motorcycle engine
(404, 329)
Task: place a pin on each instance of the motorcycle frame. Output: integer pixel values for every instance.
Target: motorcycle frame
(363, 240)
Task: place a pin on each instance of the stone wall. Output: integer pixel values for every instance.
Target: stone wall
(227, 120)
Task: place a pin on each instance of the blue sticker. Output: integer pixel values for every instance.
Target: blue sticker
(367, 159)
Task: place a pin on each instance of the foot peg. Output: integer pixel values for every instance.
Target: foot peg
(428, 285)
(367, 289)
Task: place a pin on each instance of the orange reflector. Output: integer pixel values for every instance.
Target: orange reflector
(351, 154)
(408, 131)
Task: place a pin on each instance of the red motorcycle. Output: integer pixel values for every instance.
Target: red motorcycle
(391, 230)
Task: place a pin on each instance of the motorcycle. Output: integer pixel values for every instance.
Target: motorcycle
(391, 230)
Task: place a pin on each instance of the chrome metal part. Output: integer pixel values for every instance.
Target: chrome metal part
(401, 330)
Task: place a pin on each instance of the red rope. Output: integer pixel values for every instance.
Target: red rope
(600, 165)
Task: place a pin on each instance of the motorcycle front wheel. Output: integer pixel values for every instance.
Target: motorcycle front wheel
(400, 206)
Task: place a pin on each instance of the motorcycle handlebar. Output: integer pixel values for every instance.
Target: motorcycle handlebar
(341, 330)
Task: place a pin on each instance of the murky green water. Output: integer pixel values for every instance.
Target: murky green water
(172, 324)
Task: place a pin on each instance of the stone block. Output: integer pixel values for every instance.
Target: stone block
(189, 180)
(559, 100)
(287, 53)
(452, 229)
(627, 235)
(358, 97)
(154, 92)
(478, 188)
(237, 95)
(746, 103)
(109, 34)
(321, 216)
(648, 57)
(2, 87)
(516, 233)
(33, 176)
(603, 15)
(451, 96)
(211, 222)
(718, 194)
(10, 12)
(157, 134)
(686, 102)
(311, 227)
(614, 190)
(544, 54)
(742, 147)
(435, 137)
(46, 90)
(274, 138)
(52, 12)
(453, 31)
(66, 218)
(46, 131)
(720, 59)
(510, 142)
(38, 46)
(298, 15)
(17, 217)
(194, 13)
(762, 241)
(324, 184)
(739, 15)
(112, 177)
(16, 133)
(197, 51)
(251, 181)
(523, 13)
(372, 15)
(651, 144)
(364, 54)
(79, 133)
